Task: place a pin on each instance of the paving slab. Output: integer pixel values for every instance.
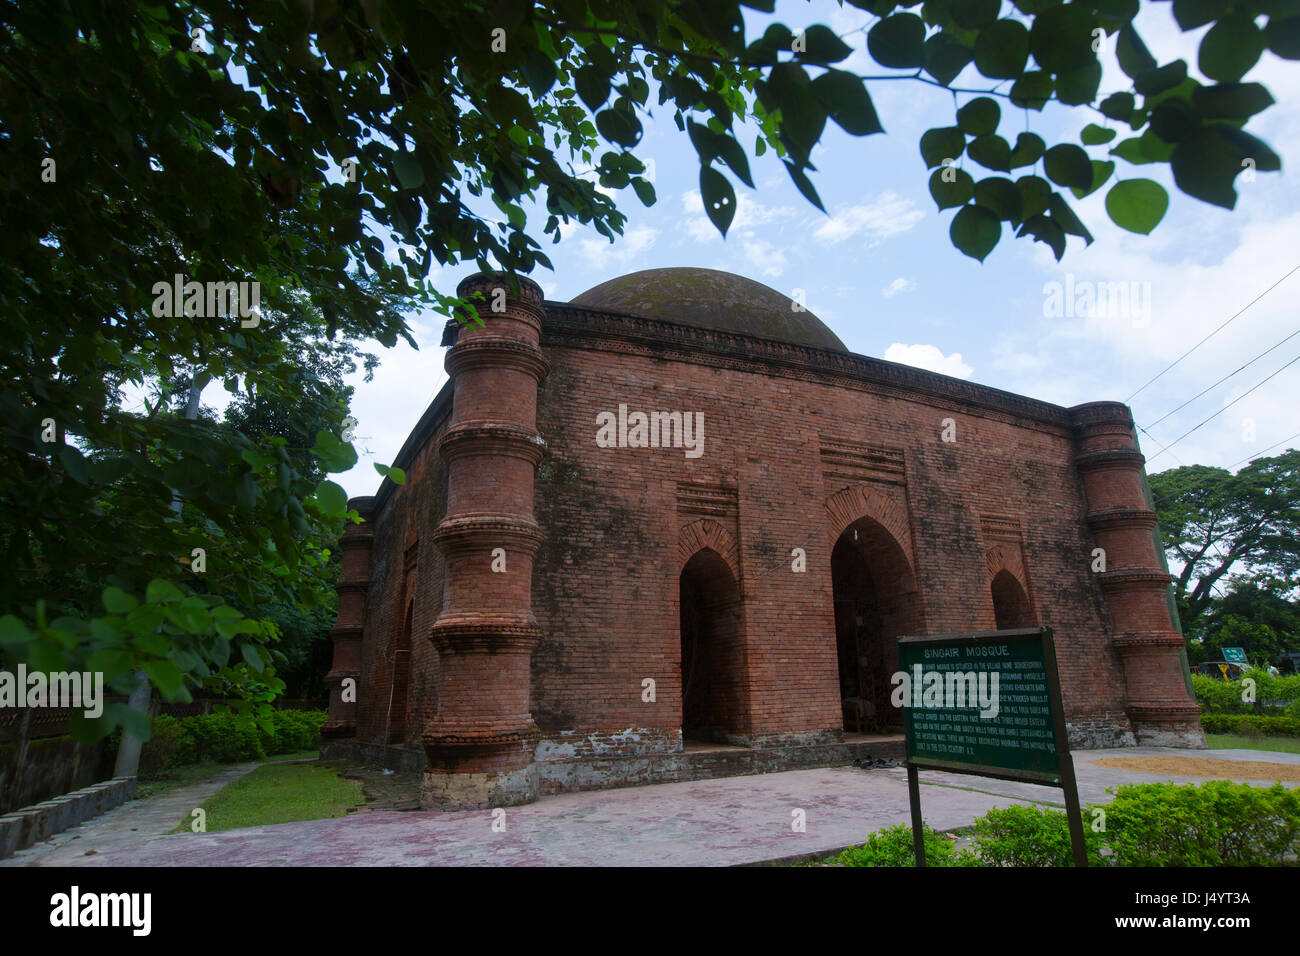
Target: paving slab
(729, 821)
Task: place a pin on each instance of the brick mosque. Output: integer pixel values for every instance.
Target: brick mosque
(672, 529)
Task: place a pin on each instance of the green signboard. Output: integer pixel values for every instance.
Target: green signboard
(1234, 655)
(986, 703)
(982, 700)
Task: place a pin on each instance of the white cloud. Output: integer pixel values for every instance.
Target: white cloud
(749, 214)
(898, 285)
(928, 357)
(600, 254)
(876, 220)
(763, 256)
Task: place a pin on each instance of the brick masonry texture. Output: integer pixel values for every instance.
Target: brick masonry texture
(803, 448)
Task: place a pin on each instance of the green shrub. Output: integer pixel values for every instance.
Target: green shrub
(1251, 725)
(1218, 823)
(1276, 694)
(893, 847)
(293, 730)
(1031, 836)
(224, 738)
(168, 747)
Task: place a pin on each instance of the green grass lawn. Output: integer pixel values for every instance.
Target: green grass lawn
(1290, 745)
(280, 793)
(197, 773)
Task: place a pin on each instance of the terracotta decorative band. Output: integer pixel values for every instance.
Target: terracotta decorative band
(1134, 643)
(332, 730)
(1122, 518)
(338, 673)
(497, 352)
(1109, 457)
(1163, 711)
(354, 587)
(359, 538)
(467, 532)
(1133, 579)
(343, 631)
(493, 438)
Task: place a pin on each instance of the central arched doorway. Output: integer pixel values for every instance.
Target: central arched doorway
(714, 705)
(875, 603)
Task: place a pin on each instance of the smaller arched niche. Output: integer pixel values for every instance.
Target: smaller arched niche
(1011, 608)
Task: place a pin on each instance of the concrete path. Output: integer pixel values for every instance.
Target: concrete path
(129, 827)
(735, 820)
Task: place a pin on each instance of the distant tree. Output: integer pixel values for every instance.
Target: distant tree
(1217, 525)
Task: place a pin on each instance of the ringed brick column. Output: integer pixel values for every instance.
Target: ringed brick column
(481, 741)
(1134, 582)
(354, 581)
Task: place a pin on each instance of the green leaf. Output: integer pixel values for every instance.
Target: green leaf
(1118, 106)
(973, 14)
(951, 187)
(14, 631)
(619, 126)
(1137, 205)
(897, 41)
(1101, 171)
(1033, 90)
(979, 117)
(719, 198)
(1191, 14)
(1076, 87)
(1035, 195)
(999, 196)
(160, 591)
(975, 231)
(1029, 147)
(166, 676)
(252, 657)
(803, 184)
(1283, 36)
(1134, 57)
(117, 601)
(410, 174)
(74, 464)
(134, 722)
(1230, 48)
(592, 85)
(331, 498)
(1157, 81)
(1061, 38)
(396, 475)
(944, 57)
(1045, 230)
(1068, 165)
(1064, 217)
(1231, 100)
(1094, 135)
(991, 152)
(940, 144)
(1002, 49)
(847, 102)
(821, 45)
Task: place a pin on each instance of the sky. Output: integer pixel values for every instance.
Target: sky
(880, 270)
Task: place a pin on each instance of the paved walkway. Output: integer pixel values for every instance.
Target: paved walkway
(735, 820)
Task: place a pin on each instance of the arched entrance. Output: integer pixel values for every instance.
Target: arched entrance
(1010, 602)
(875, 603)
(714, 706)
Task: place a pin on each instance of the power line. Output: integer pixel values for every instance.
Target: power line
(1224, 379)
(1258, 453)
(1157, 444)
(1212, 334)
(1229, 405)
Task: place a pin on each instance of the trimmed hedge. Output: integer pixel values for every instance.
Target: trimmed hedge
(1250, 725)
(1216, 823)
(1276, 694)
(226, 738)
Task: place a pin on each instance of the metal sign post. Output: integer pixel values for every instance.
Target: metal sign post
(986, 703)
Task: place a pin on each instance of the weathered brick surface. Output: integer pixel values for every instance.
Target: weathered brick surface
(801, 449)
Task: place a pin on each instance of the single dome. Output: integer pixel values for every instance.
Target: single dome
(712, 300)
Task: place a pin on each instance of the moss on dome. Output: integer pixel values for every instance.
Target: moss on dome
(713, 300)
